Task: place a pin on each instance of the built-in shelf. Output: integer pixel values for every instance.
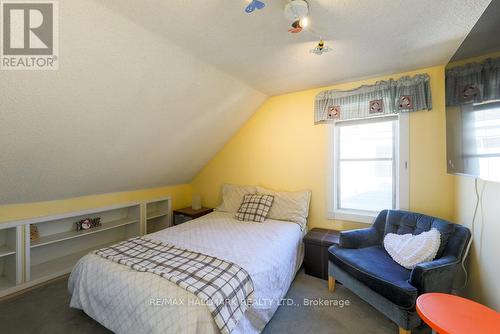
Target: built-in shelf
(10, 259)
(156, 214)
(60, 246)
(25, 262)
(6, 250)
(61, 265)
(49, 239)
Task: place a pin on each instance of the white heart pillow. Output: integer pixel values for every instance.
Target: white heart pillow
(409, 250)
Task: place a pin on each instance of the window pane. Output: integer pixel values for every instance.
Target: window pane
(483, 153)
(366, 141)
(366, 185)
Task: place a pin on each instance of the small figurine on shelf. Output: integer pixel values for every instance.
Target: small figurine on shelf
(34, 234)
(88, 223)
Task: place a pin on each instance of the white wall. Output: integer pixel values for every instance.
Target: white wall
(126, 110)
(484, 259)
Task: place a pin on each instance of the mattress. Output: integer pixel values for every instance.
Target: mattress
(127, 301)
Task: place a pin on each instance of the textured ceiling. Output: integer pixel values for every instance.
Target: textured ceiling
(368, 37)
(126, 110)
(148, 91)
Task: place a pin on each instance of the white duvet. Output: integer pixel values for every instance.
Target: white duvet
(127, 301)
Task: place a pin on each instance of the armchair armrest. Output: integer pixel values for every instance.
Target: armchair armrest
(360, 238)
(435, 276)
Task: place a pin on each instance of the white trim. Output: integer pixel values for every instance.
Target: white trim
(402, 172)
(19, 254)
(331, 172)
(353, 215)
(27, 253)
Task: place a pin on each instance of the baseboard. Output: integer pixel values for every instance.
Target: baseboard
(27, 289)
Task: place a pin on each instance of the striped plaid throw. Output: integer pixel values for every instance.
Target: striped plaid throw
(224, 287)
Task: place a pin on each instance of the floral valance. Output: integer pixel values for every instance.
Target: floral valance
(406, 94)
(473, 83)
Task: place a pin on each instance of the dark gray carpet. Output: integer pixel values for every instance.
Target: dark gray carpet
(45, 310)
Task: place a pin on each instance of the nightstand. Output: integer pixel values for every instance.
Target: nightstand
(186, 214)
(316, 242)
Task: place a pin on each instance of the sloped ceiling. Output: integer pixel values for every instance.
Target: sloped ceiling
(127, 110)
(148, 91)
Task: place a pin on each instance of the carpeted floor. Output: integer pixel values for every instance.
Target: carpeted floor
(45, 310)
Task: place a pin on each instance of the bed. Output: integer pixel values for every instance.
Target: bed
(128, 301)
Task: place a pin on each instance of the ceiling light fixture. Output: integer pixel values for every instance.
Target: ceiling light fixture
(297, 11)
(304, 22)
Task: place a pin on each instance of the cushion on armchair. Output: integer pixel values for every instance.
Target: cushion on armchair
(374, 267)
(408, 250)
(404, 222)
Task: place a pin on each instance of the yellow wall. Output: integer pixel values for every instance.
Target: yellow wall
(181, 196)
(483, 258)
(483, 273)
(280, 147)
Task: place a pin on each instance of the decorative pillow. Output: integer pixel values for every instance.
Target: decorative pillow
(232, 195)
(289, 205)
(409, 250)
(254, 207)
(404, 222)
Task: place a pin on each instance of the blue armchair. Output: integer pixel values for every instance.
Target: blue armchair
(361, 263)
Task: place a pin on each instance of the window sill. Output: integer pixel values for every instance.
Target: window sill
(353, 216)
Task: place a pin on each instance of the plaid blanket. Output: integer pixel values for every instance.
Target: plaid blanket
(224, 287)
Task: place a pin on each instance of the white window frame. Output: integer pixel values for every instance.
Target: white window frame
(402, 196)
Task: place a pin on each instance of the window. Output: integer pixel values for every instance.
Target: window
(368, 167)
(486, 138)
(481, 139)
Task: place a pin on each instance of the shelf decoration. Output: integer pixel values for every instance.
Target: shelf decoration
(88, 223)
(34, 234)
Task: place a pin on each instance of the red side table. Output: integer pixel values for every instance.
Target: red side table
(449, 314)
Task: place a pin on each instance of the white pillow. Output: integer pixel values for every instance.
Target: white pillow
(289, 205)
(232, 196)
(409, 250)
